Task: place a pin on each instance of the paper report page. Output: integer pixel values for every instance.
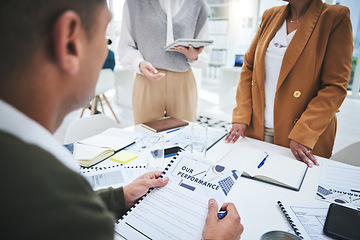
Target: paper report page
(309, 220)
(179, 209)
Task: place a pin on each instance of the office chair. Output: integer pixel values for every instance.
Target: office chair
(349, 154)
(105, 82)
(88, 126)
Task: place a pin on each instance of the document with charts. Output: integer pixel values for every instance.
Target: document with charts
(307, 221)
(340, 184)
(179, 209)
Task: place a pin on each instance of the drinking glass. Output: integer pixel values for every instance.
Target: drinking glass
(199, 140)
(155, 152)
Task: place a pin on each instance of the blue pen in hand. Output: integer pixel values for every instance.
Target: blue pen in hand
(222, 215)
(263, 161)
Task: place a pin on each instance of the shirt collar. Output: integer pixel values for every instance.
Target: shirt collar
(21, 126)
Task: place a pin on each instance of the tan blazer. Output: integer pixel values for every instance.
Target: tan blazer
(313, 78)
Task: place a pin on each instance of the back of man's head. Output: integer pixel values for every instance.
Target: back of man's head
(26, 24)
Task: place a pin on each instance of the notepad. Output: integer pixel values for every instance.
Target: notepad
(95, 149)
(123, 157)
(196, 43)
(164, 124)
(279, 170)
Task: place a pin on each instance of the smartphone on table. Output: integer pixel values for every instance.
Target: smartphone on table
(172, 151)
(342, 222)
(168, 152)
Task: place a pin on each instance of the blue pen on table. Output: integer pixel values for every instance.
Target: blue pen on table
(263, 161)
(173, 130)
(222, 214)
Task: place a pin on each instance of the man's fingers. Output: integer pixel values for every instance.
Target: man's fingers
(154, 174)
(151, 179)
(231, 209)
(160, 182)
(212, 210)
(151, 175)
(226, 206)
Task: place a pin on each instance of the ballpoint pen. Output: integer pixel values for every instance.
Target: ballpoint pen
(173, 130)
(263, 161)
(222, 214)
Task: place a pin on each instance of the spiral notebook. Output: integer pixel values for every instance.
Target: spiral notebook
(179, 209)
(306, 221)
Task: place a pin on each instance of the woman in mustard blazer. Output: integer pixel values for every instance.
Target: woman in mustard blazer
(311, 83)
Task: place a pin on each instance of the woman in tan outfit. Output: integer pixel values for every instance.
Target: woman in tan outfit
(311, 82)
(164, 84)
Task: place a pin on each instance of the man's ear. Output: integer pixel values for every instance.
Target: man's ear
(68, 34)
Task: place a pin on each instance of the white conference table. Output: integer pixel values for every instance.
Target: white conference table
(256, 201)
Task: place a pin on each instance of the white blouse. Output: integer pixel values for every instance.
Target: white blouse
(273, 60)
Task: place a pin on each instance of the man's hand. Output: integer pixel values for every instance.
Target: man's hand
(303, 153)
(141, 185)
(229, 227)
(191, 53)
(237, 130)
(150, 72)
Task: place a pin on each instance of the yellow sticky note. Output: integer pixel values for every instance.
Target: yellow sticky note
(123, 157)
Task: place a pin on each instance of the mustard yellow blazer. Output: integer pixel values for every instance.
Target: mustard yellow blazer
(313, 78)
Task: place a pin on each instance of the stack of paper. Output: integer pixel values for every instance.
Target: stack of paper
(339, 184)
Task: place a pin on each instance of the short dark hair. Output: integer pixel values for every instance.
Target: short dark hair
(24, 24)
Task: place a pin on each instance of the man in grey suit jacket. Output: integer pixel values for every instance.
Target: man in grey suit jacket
(50, 70)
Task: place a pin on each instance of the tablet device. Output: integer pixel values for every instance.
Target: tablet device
(342, 222)
(196, 43)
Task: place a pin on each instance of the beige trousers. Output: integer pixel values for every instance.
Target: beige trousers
(174, 95)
